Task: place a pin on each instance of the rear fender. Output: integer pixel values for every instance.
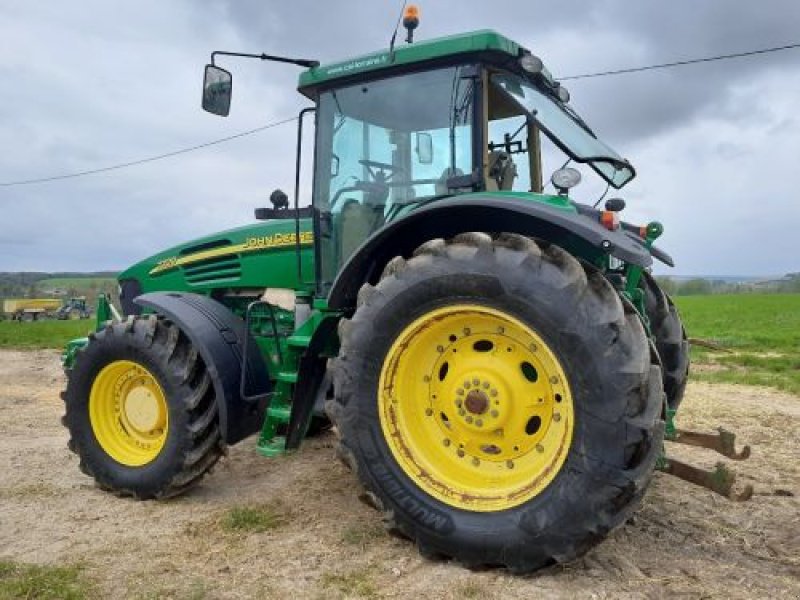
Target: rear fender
(218, 335)
(449, 217)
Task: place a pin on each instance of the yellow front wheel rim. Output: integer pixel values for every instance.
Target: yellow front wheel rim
(128, 413)
(475, 407)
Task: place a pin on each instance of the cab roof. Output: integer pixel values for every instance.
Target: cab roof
(443, 48)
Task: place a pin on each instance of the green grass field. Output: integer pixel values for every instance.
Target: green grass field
(761, 332)
(42, 334)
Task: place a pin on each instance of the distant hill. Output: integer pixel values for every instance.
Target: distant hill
(725, 278)
(41, 284)
(690, 286)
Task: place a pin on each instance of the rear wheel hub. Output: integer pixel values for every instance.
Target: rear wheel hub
(475, 407)
(477, 402)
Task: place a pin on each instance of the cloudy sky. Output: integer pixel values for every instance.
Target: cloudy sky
(91, 83)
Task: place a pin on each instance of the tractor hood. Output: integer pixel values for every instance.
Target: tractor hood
(233, 259)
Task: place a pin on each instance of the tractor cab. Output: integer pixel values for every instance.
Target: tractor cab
(399, 129)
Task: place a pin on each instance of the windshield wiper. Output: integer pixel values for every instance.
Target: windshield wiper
(577, 118)
(339, 110)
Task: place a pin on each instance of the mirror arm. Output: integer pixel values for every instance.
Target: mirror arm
(295, 61)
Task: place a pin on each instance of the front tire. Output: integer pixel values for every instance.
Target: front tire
(141, 410)
(670, 339)
(588, 361)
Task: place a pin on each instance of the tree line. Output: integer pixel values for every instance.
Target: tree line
(34, 285)
(701, 286)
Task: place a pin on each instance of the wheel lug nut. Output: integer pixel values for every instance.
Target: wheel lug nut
(426, 379)
(469, 419)
(554, 380)
(467, 385)
(478, 422)
(510, 464)
(486, 385)
(462, 412)
(440, 348)
(556, 417)
(459, 403)
(494, 413)
(476, 382)
(493, 393)
(467, 331)
(501, 330)
(539, 448)
(460, 391)
(476, 461)
(460, 453)
(428, 412)
(533, 347)
(446, 442)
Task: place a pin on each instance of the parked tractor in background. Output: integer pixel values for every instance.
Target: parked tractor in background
(497, 361)
(74, 308)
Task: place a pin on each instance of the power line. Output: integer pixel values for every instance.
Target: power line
(132, 163)
(680, 63)
(149, 158)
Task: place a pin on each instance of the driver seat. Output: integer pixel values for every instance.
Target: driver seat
(502, 172)
(356, 223)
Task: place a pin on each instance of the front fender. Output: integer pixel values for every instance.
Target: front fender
(484, 212)
(218, 336)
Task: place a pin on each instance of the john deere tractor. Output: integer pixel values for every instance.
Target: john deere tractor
(496, 360)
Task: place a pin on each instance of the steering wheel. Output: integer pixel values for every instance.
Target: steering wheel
(380, 176)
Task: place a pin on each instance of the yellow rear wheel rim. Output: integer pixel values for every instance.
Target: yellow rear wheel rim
(128, 413)
(475, 408)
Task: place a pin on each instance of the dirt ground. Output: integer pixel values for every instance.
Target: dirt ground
(683, 542)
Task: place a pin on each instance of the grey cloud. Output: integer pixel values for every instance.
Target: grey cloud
(94, 82)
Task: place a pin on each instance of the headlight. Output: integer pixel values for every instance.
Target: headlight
(566, 178)
(532, 64)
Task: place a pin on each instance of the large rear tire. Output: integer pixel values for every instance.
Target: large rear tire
(141, 410)
(670, 338)
(542, 351)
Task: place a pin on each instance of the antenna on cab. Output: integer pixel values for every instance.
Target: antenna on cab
(396, 27)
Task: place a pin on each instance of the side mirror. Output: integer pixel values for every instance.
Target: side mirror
(217, 86)
(424, 148)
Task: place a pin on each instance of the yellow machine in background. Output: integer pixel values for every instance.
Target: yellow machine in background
(32, 309)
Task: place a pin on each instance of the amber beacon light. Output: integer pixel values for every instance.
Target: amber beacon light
(410, 21)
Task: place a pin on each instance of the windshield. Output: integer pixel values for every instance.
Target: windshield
(383, 145)
(566, 130)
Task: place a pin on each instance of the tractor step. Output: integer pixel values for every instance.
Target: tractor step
(272, 447)
(721, 480)
(298, 341)
(286, 376)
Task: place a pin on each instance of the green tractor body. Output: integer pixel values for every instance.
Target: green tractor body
(497, 361)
